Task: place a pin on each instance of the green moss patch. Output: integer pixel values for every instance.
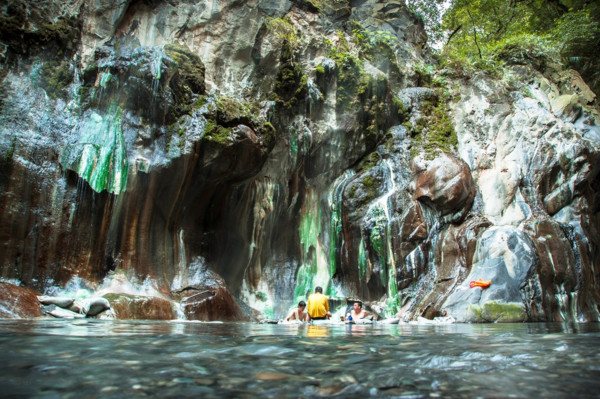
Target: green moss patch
(434, 130)
(217, 133)
(498, 312)
(188, 78)
(55, 76)
(291, 83)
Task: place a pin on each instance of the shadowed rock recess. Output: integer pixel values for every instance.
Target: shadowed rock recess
(218, 160)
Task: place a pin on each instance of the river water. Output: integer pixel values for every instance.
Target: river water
(128, 359)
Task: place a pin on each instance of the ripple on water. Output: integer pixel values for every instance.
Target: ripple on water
(121, 359)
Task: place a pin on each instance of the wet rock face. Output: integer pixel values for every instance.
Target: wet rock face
(18, 302)
(233, 155)
(134, 307)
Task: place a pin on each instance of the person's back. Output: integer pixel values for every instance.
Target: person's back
(318, 305)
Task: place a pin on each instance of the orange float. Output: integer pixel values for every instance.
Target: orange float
(480, 283)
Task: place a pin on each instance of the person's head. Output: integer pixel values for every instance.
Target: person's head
(301, 305)
(357, 306)
(319, 289)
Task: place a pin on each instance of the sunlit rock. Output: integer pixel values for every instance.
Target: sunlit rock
(507, 257)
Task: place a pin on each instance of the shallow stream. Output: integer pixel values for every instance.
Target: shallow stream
(124, 359)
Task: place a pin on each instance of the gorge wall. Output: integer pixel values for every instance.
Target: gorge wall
(228, 156)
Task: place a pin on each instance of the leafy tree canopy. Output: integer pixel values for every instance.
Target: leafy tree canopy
(477, 31)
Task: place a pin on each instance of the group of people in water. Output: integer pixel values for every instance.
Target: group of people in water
(317, 308)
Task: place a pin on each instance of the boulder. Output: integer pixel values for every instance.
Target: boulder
(209, 300)
(18, 302)
(138, 307)
(447, 185)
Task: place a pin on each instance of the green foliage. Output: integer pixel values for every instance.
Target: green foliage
(373, 41)
(580, 31)
(430, 12)
(487, 34)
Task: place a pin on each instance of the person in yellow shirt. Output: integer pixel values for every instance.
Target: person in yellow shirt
(318, 305)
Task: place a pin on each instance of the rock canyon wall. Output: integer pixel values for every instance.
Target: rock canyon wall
(225, 157)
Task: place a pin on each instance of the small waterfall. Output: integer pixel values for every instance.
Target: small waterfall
(575, 240)
(103, 79)
(335, 204)
(319, 262)
(156, 70)
(313, 96)
(263, 195)
(314, 269)
(379, 217)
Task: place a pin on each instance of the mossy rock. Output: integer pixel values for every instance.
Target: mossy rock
(231, 112)
(498, 312)
(217, 134)
(188, 78)
(291, 83)
(55, 76)
(366, 187)
(15, 30)
(433, 132)
(309, 5)
(190, 68)
(369, 161)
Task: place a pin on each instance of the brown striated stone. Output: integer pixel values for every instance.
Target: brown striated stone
(136, 307)
(454, 256)
(414, 227)
(556, 267)
(446, 184)
(18, 302)
(210, 300)
(212, 305)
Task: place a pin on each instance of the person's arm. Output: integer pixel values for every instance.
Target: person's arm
(289, 316)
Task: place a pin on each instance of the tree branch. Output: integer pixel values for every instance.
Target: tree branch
(454, 32)
(474, 33)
